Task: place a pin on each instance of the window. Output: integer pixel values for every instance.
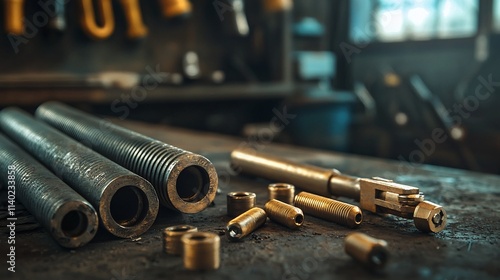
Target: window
(496, 15)
(398, 20)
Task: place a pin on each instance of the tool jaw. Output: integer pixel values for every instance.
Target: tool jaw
(383, 196)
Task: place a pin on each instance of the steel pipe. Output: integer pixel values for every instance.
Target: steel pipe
(66, 215)
(184, 181)
(126, 203)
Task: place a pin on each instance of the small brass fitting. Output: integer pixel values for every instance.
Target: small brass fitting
(429, 217)
(282, 192)
(369, 251)
(172, 238)
(329, 209)
(14, 17)
(285, 214)
(175, 8)
(201, 251)
(245, 223)
(239, 202)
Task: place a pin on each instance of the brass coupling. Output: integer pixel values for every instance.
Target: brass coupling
(245, 223)
(370, 251)
(201, 251)
(329, 209)
(172, 238)
(285, 214)
(282, 192)
(239, 202)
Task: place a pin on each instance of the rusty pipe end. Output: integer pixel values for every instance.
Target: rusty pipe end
(74, 224)
(128, 206)
(191, 185)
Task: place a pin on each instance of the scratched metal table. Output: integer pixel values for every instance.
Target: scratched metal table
(468, 248)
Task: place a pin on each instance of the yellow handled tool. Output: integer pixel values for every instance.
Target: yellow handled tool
(88, 20)
(136, 28)
(14, 14)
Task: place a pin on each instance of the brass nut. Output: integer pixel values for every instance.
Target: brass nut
(245, 223)
(429, 217)
(285, 214)
(239, 202)
(201, 251)
(329, 209)
(282, 192)
(369, 251)
(172, 238)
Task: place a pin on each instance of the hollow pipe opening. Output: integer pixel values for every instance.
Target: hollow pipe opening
(192, 184)
(74, 224)
(129, 206)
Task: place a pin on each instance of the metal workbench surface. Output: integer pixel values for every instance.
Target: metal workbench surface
(468, 248)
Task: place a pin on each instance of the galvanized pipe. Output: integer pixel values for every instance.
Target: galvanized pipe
(184, 181)
(66, 215)
(126, 203)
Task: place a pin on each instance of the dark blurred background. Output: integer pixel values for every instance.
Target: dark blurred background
(417, 81)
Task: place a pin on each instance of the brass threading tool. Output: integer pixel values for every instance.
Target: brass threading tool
(376, 194)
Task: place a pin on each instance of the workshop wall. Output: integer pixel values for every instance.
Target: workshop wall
(451, 72)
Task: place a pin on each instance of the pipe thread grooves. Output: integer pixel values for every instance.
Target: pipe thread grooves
(245, 223)
(329, 209)
(284, 213)
(108, 186)
(154, 160)
(46, 197)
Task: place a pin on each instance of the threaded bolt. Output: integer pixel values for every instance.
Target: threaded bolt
(284, 214)
(282, 192)
(245, 223)
(239, 202)
(65, 214)
(172, 238)
(369, 251)
(201, 251)
(184, 181)
(329, 209)
(126, 203)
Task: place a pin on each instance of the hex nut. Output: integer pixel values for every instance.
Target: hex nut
(429, 217)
